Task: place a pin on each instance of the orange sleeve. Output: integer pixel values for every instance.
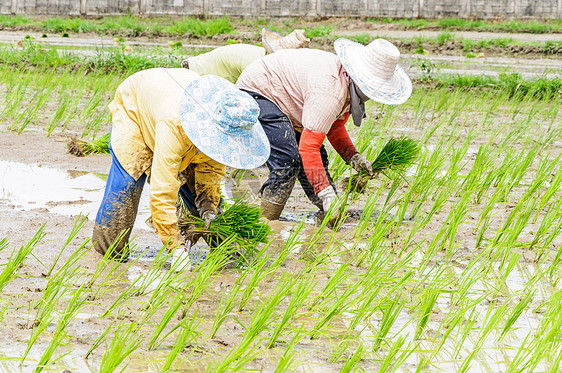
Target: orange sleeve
(340, 140)
(309, 148)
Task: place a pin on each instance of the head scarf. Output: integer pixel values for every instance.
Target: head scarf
(357, 103)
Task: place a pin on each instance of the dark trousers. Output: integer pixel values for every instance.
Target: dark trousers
(284, 163)
(119, 207)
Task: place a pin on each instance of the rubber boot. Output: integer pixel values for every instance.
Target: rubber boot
(271, 210)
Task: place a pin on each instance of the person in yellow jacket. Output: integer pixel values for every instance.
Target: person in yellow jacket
(168, 123)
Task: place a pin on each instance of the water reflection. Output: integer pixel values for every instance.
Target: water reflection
(29, 186)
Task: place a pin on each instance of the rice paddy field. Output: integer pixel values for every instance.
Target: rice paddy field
(453, 264)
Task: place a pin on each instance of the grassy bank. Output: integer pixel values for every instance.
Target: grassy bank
(530, 26)
(126, 26)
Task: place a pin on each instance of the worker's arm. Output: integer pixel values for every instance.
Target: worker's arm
(309, 149)
(164, 182)
(340, 140)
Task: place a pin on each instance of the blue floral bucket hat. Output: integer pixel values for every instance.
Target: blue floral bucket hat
(374, 69)
(222, 122)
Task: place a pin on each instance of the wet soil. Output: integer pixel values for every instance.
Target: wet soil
(20, 224)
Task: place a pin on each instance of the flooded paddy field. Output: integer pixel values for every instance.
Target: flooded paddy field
(453, 266)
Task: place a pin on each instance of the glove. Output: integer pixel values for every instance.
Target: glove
(208, 216)
(185, 63)
(328, 197)
(330, 200)
(359, 163)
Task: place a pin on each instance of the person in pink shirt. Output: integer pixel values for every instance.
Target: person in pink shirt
(306, 95)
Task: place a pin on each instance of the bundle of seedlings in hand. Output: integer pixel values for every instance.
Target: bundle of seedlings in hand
(81, 148)
(396, 155)
(240, 221)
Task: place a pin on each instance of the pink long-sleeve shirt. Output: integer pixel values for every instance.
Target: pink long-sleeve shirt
(308, 85)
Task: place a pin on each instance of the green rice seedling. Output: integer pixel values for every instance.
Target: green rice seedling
(553, 186)
(516, 312)
(206, 273)
(427, 303)
(367, 305)
(187, 333)
(157, 272)
(465, 332)
(241, 221)
(287, 358)
(110, 268)
(245, 350)
(56, 289)
(126, 340)
(396, 155)
(341, 352)
(494, 316)
(44, 315)
(390, 312)
(452, 321)
(454, 219)
(301, 293)
(351, 363)
(226, 305)
(172, 309)
(81, 148)
(289, 245)
(4, 308)
(465, 284)
(73, 307)
(337, 278)
(3, 243)
(508, 268)
(341, 303)
(260, 270)
(16, 258)
(395, 358)
(364, 226)
(78, 225)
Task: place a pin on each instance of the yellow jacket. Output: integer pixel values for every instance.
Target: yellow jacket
(147, 136)
(228, 62)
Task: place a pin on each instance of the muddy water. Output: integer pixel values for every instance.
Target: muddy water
(30, 186)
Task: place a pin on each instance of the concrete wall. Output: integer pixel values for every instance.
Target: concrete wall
(540, 9)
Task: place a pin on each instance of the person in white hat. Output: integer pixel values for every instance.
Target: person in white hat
(229, 61)
(306, 95)
(178, 131)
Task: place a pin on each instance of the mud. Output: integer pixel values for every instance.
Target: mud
(20, 222)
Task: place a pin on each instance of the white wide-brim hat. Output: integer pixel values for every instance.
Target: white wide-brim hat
(374, 69)
(222, 122)
(274, 41)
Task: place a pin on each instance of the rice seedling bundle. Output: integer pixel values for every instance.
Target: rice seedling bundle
(81, 148)
(396, 155)
(240, 221)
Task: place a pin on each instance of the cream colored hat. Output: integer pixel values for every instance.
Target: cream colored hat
(273, 41)
(374, 69)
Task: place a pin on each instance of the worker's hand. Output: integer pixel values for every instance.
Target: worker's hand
(328, 197)
(330, 206)
(208, 216)
(359, 163)
(185, 63)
